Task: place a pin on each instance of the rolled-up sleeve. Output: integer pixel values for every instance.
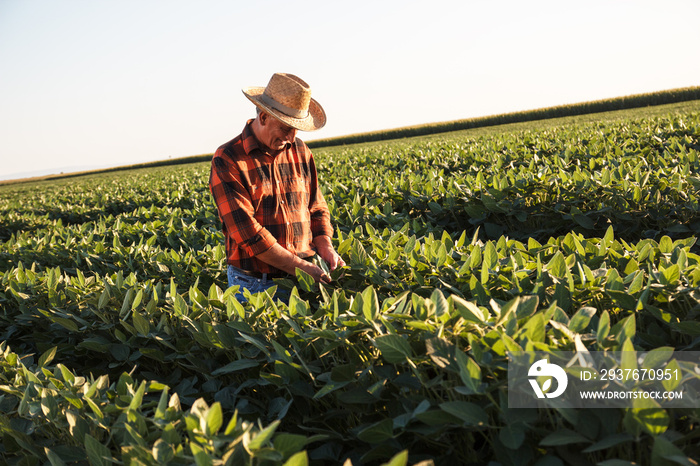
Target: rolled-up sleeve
(236, 208)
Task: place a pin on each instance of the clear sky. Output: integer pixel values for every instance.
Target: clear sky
(86, 84)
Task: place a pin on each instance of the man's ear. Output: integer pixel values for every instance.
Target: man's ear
(262, 117)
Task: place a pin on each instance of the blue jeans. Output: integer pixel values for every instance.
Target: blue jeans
(252, 284)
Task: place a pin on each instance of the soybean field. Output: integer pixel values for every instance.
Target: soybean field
(120, 343)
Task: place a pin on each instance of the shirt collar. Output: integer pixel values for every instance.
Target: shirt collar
(251, 143)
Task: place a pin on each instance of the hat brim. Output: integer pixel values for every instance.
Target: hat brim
(314, 121)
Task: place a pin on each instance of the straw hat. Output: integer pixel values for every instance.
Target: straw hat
(288, 98)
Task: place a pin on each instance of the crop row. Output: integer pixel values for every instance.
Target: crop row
(642, 178)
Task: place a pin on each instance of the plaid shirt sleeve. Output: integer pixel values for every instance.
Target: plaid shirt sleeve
(236, 207)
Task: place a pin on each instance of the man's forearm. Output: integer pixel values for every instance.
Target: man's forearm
(322, 241)
(286, 261)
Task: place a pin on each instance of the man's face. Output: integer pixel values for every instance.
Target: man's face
(275, 134)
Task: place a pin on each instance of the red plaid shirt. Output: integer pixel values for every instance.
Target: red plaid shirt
(264, 199)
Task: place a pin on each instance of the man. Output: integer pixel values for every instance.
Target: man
(265, 186)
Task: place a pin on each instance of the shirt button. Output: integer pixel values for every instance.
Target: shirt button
(287, 223)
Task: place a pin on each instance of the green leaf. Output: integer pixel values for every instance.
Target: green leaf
(687, 327)
(671, 275)
(442, 307)
(234, 307)
(475, 258)
(512, 436)
(201, 458)
(120, 352)
(377, 432)
(609, 442)
(95, 408)
(306, 281)
(468, 310)
(648, 414)
(534, 328)
(470, 413)
(126, 304)
(581, 319)
(507, 309)
(485, 273)
(370, 304)
(469, 372)
(289, 444)
(657, 357)
(628, 356)
(68, 376)
(627, 329)
(557, 265)
(180, 305)
(584, 221)
(297, 305)
(665, 450)
(410, 245)
(442, 352)
(527, 306)
(137, 400)
(48, 404)
(162, 405)
(666, 245)
(637, 283)
(262, 437)
(52, 279)
(672, 383)
(173, 288)
(238, 365)
(162, 452)
(603, 327)
(47, 356)
(65, 323)
(53, 458)
(623, 299)
(140, 323)
(298, 459)
(490, 256)
(137, 299)
(151, 306)
(257, 343)
(98, 454)
(135, 436)
(609, 236)
(437, 417)
(394, 348)
(214, 419)
(399, 459)
(563, 437)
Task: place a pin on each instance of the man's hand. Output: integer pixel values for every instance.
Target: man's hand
(282, 259)
(325, 249)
